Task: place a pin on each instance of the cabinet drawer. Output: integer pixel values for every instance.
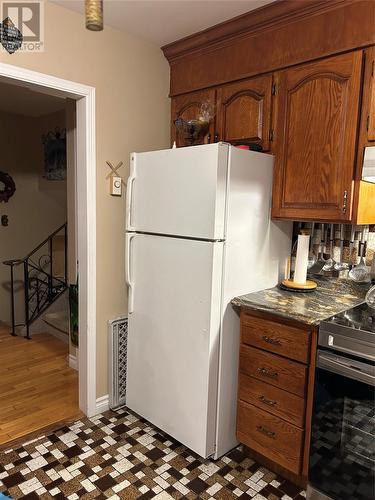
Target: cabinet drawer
(274, 370)
(272, 399)
(275, 337)
(269, 435)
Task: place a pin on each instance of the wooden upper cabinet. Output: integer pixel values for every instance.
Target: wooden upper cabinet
(364, 192)
(366, 135)
(370, 83)
(244, 111)
(317, 106)
(188, 106)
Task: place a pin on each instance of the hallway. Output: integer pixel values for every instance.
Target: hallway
(37, 387)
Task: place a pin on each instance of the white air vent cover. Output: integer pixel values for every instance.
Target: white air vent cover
(117, 351)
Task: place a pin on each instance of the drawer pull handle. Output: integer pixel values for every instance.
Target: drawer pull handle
(267, 373)
(271, 340)
(266, 401)
(266, 432)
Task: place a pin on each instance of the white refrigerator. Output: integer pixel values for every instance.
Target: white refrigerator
(198, 233)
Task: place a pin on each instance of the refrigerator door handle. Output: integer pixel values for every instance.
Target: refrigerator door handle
(129, 196)
(128, 278)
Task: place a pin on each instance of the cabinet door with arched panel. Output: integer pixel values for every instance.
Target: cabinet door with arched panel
(244, 111)
(188, 106)
(316, 119)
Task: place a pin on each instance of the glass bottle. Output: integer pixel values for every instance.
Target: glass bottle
(370, 297)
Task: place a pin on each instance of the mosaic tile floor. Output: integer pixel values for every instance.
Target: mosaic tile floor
(117, 455)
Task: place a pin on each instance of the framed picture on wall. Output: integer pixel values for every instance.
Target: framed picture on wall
(54, 144)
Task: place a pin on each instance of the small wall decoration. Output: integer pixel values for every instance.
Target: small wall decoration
(55, 155)
(10, 37)
(116, 181)
(7, 187)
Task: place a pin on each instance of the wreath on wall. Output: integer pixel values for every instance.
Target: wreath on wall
(9, 188)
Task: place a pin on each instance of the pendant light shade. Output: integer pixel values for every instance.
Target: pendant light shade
(94, 15)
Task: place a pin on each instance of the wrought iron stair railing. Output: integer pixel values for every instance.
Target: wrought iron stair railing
(41, 283)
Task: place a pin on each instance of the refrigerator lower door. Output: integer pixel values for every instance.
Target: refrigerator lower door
(173, 338)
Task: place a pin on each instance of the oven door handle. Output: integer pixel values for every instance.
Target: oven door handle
(348, 368)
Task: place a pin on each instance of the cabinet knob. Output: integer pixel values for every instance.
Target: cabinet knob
(271, 340)
(266, 432)
(216, 137)
(266, 401)
(267, 373)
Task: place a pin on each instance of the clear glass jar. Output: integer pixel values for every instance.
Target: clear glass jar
(370, 297)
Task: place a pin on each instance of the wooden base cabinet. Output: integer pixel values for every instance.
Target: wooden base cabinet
(275, 392)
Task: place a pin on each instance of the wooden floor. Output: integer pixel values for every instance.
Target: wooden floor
(37, 387)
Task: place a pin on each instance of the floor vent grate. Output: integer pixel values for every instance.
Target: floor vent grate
(117, 350)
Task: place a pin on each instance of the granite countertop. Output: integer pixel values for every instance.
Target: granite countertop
(331, 297)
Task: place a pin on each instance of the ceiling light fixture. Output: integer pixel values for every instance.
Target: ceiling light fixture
(94, 15)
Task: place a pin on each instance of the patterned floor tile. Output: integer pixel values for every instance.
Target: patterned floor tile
(118, 455)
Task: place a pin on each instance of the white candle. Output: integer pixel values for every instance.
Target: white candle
(302, 256)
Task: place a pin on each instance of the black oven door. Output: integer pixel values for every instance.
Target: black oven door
(342, 453)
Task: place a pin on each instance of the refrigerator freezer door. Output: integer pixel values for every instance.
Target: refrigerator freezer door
(179, 192)
(174, 336)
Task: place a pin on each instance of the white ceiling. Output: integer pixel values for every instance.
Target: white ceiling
(164, 21)
(26, 102)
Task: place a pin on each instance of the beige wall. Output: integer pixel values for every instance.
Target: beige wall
(38, 206)
(131, 78)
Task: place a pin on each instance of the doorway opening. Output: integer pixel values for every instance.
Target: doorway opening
(37, 384)
(47, 226)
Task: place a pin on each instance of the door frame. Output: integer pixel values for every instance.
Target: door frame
(85, 214)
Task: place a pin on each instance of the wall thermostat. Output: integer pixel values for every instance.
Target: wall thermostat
(115, 186)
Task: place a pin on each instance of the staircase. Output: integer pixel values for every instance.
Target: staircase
(54, 320)
(44, 277)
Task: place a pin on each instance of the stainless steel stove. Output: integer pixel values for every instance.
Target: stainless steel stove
(342, 454)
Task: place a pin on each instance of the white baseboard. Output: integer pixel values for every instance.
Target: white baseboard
(102, 404)
(73, 361)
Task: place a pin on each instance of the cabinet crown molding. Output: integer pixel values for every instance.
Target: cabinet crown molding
(278, 13)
